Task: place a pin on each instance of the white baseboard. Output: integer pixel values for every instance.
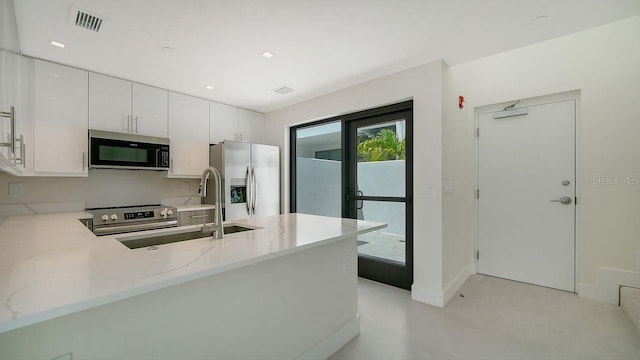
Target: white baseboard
(440, 299)
(435, 298)
(332, 343)
(458, 281)
(608, 281)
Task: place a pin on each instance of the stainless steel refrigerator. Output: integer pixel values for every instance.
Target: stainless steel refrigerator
(250, 179)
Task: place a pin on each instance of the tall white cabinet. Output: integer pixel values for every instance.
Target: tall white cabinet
(60, 119)
(189, 134)
(122, 106)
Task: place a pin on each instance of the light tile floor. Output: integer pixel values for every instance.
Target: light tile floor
(496, 319)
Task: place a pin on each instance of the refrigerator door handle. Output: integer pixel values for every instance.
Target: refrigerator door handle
(249, 190)
(254, 183)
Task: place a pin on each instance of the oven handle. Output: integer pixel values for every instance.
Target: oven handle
(109, 229)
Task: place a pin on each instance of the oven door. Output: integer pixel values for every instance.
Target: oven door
(127, 154)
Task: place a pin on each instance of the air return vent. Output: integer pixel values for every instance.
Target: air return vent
(283, 90)
(85, 19)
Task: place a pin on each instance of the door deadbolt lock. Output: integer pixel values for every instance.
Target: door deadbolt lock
(566, 182)
(565, 200)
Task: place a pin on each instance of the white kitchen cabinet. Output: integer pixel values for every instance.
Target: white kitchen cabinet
(60, 119)
(121, 106)
(149, 110)
(189, 135)
(10, 109)
(250, 126)
(230, 123)
(16, 84)
(223, 122)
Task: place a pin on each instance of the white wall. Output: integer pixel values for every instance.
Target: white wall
(604, 65)
(423, 84)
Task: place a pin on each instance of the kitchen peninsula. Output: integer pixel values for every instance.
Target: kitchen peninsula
(285, 290)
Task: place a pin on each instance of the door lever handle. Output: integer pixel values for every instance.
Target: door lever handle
(565, 200)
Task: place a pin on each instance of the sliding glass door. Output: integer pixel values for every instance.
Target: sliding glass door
(360, 166)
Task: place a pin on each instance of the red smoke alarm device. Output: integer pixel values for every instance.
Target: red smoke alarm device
(460, 101)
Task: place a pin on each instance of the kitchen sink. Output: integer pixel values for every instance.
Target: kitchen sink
(140, 241)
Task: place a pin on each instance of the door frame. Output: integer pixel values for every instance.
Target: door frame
(409, 214)
(372, 268)
(538, 100)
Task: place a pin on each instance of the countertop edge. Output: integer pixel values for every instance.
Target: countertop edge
(52, 313)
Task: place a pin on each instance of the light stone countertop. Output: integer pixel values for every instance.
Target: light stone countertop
(51, 265)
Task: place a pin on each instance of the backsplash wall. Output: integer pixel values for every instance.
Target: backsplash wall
(100, 189)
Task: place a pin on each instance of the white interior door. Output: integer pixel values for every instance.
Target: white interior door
(526, 165)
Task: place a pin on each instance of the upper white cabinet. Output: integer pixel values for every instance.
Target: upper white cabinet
(121, 106)
(189, 134)
(60, 119)
(250, 126)
(230, 123)
(149, 110)
(9, 107)
(16, 86)
(223, 122)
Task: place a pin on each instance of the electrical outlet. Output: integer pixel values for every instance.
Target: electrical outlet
(15, 189)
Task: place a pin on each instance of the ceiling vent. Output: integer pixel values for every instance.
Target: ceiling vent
(85, 19)
(283, 90)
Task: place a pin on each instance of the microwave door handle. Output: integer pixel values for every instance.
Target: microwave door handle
(158, 160)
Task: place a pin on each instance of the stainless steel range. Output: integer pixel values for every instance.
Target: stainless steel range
(117, 220)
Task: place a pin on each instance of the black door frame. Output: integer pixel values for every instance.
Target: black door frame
(377, 269)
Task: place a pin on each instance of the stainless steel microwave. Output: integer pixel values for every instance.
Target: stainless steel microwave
(112, 150)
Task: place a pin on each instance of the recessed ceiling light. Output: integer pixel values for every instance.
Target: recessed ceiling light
(539, 19)
(267, 54)
(209, 87)
(58, 44)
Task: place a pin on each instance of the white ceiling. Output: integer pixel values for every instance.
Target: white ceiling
(319, 45)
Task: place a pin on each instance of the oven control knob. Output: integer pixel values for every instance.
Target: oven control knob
(169, 212)
(163, 212)
(105, 217)
(114, 217)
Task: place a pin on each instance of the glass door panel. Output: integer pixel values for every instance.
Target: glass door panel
(318, 170)
(387, 244)
(379, 172)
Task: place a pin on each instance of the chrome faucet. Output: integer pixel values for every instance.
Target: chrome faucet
(215, 227)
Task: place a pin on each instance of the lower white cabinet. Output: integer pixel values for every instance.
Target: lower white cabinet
(189, 135)
(60, 119)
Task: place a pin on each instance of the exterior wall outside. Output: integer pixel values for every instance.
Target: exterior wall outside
(319, 189)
